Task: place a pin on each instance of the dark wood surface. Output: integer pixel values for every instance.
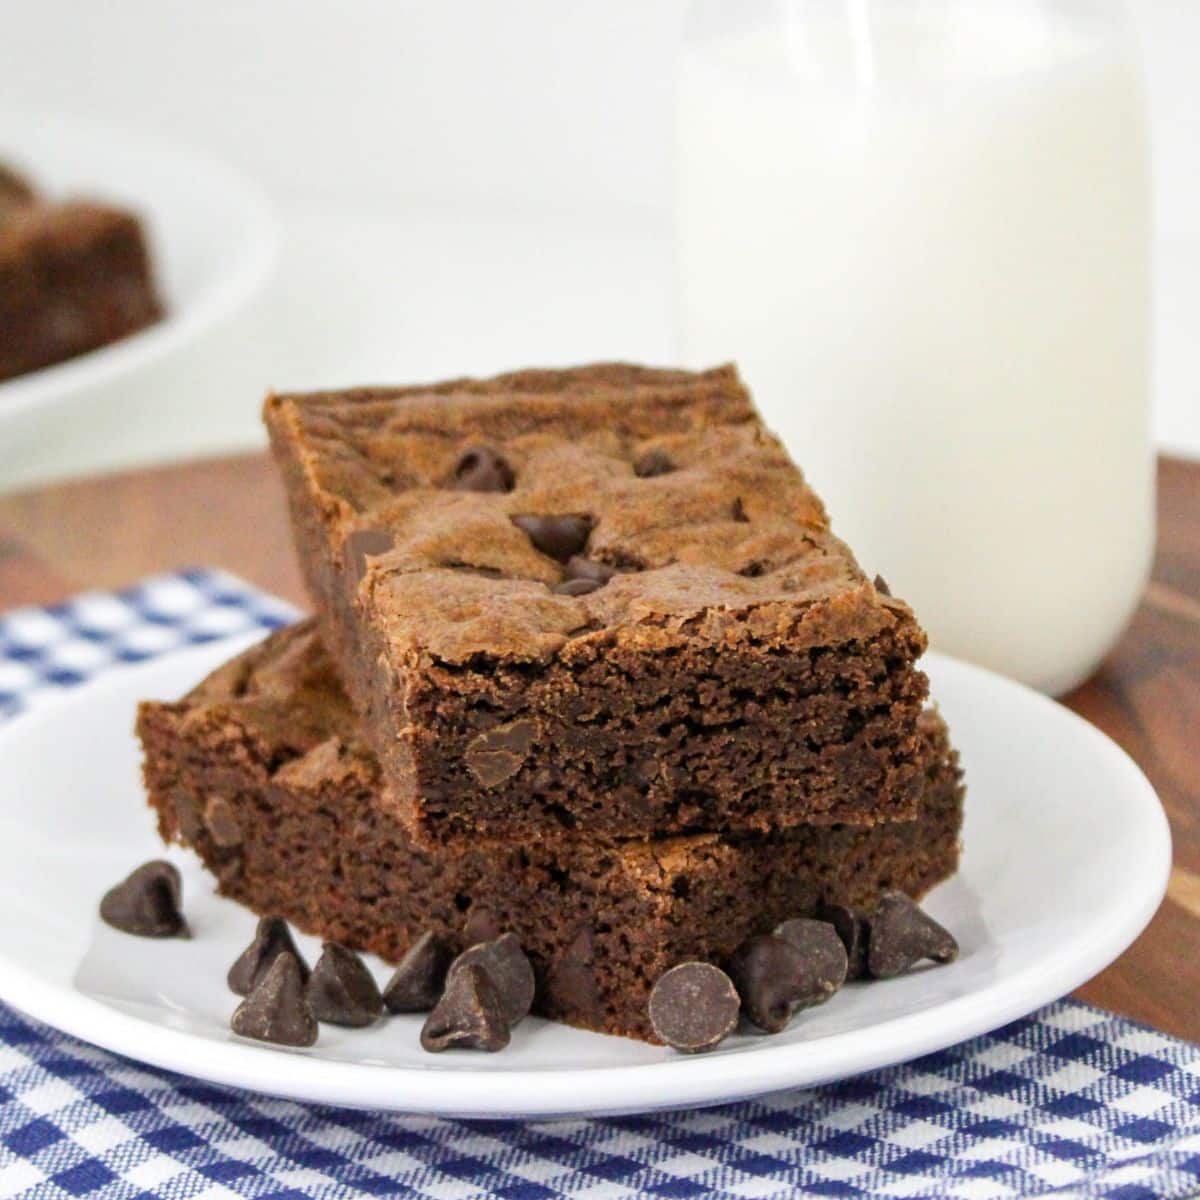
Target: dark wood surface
(229, 513)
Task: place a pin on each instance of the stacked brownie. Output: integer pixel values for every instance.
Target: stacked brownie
(588, 665)
(74, 276)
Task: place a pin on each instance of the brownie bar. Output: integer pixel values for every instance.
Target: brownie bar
(73, 277)
(262, 770)
(734, 670)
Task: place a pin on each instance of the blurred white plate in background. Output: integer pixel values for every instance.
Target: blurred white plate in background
(214, 243)
(1067, 856)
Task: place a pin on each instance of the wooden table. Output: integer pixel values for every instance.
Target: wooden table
(229, 513)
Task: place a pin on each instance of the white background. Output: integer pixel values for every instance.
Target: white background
(481, 184)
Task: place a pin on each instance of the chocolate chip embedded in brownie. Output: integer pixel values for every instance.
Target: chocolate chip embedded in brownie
(73, 277)
(600, 600)
(263, 771)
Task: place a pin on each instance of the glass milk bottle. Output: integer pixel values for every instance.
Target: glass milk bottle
(920, 228)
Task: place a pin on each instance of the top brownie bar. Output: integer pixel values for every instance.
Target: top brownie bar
(600, 599)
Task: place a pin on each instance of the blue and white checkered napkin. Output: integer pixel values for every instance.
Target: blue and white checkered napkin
(1068, 1102)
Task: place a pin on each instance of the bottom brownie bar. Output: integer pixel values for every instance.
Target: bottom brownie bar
(262, 770)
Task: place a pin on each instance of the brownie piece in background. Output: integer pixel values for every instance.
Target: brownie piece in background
(15, 190)
(263, 770)
(73, 277)
(599, 600)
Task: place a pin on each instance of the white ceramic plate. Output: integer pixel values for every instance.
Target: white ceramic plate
(213, 242)
(1067, 858)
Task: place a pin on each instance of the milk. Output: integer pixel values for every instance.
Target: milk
(924, 240)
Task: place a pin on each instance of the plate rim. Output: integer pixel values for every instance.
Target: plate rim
(682, 1081)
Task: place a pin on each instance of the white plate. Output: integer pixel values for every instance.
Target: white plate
(1067, 858)
(213, 242)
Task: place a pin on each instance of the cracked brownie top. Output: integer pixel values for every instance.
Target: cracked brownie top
(507, 518)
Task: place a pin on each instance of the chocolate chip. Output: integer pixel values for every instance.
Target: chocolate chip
(469, 1016)
(481, 469)
(773, 979)
(229, 872)
(576, 587)
(571, 985)
(147, 902)
(738, 512)
(507, 967)
(481, 926)
(651, 463)
(902, 934)
(852, 926)
(823, 953)
(643, 771)
(271, 939)
(694, 1007)
(276, 1010)
(500, 753)
(363, 544)
(584, 575)
(222, 823)
(341, 991)
(419, 979)
(881, 586)
(579, 567)
(560, 537)
(187, 818)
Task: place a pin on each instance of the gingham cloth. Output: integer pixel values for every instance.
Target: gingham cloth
(1069, 1102)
